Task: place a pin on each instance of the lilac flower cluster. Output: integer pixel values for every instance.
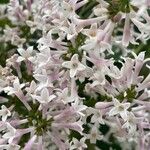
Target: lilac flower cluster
(62, 80)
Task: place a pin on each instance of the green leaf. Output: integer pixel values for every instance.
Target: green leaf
(4, 1)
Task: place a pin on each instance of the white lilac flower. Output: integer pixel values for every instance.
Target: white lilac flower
(36, 24)
(101, 41)
(70, 30)
(68, 96)
(97, 115)
(119, 108)
(64, 96)
(74, 65)
(68, 9)
(79, 108)
(130, 123)
(99, 77)
(10, 146)
(76, 144)
(4, 112)
(30, 90)
(92, 32)
(44, 97)
(9, 132)
(25, 54)
(94, 135)
(44, 81)
(16, 88)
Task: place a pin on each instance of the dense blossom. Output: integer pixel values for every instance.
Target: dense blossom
(72, 70)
